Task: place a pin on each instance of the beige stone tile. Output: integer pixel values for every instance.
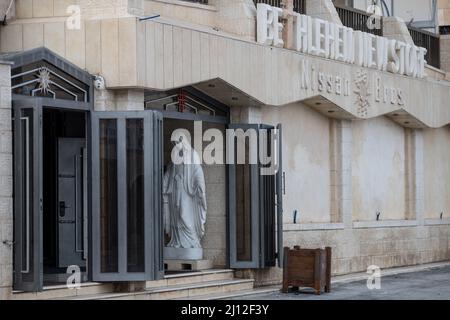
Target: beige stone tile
(127, 52)
(5, 293)
(93, 58)
(95, 289)
(205, 290)
(110, 51)
(177, 57)
(42, 8)
(11, 38)
(184, 280)
(24, 9)
(204, 56)
(60, 7)
(176, 294)
(159, 56)
(156, 284)
(33, 35)
(168, 56)
(76, 46)
(141, 61)
(150, 54)
(54, 37)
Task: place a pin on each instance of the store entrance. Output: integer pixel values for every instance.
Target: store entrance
(64, 193)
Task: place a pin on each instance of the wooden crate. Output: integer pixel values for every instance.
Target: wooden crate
(310, 268)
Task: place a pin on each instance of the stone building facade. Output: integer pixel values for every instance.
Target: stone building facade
(371, 180)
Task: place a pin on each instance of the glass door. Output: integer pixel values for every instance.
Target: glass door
(255, 196)
(27, 140)
(127, 231)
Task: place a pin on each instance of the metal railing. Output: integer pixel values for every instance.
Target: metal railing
(357, 20)
(429, 41)
(299, 5)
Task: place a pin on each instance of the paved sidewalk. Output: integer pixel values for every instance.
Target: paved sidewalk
(428, 284)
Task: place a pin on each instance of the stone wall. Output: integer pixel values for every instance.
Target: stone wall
(354, 250)
(6, 214)
(403, 173)
(437, 173)
(445, 52)
(444, 12)
(306, 147)
(378, 170)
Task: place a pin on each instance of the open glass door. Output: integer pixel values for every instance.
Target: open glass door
(127, 229)
(27, 140)
(255, 200)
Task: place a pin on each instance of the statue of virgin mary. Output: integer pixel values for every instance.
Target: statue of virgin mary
(184, 202)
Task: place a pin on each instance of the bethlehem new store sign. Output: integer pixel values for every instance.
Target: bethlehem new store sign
(332, 41)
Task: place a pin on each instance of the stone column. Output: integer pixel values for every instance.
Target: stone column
(346, 151)
(130, 99)
(419, 183)
(445, 52)
(119, 100)
(242, 114)
(6, 184)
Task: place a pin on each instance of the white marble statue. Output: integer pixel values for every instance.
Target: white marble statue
(184, 200)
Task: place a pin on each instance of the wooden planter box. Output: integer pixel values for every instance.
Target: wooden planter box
(307, 268)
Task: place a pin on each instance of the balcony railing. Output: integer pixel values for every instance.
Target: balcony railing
(357, 20)
(429, 41)
(299, 5)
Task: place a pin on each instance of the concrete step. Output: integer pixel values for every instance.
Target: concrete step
(192, 277)
(184, 291)
(62, 292)
(237, 294)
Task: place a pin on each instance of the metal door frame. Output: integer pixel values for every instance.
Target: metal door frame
(154, 267)
(37, 104)
(34, 251)
(254, 209)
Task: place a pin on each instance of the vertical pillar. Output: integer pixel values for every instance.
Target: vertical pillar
(341, 172)
(130, 100)
(6, 175)
(414, 175)
(419, 176)
(445, 52)
(346, 149)
(246, 115)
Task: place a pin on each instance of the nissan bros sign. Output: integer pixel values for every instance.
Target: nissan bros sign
(332, 41)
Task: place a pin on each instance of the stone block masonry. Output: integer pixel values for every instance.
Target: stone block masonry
(6, 217)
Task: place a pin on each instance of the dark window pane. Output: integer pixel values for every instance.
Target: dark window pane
(108, 196)
(135, 195)
(243, 210)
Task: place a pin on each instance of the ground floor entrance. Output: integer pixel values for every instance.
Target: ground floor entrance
(89, 185)
(65, 205)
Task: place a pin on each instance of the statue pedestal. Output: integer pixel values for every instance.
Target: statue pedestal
(183, 254)
(187, 265)
(181, 259)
